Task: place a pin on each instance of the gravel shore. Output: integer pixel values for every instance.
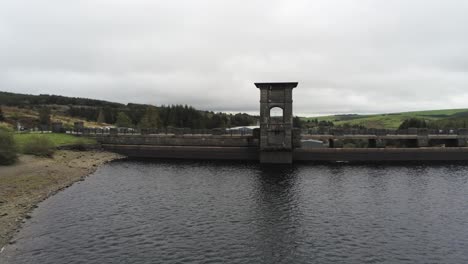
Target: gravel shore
(33, 179)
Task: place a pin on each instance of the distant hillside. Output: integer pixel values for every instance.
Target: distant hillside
(16, 99)
(445, 117)
(24, 108)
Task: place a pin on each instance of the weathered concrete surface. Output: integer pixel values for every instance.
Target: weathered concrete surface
(179, 140)
(319, 154)
(276, 157)
(218, 147)
(382, 154)
(185, 152)
(413, 141)
(383, 137)
(276, 132)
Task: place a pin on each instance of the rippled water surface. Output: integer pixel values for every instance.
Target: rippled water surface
(200, 212)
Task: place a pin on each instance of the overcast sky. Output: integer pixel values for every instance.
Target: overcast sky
(349, 56)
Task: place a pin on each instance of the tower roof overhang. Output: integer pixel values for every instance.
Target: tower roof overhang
(276, 85)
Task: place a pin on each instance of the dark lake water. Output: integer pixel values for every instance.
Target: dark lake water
(201, 212)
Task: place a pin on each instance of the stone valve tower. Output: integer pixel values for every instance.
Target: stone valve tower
(276, 122)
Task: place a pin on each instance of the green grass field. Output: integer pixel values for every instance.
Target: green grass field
(391, 120)
(57, 139)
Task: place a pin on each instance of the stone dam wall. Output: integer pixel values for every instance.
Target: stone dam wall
(179, 140)
(211, 147)
(185, 152)
(381, 154)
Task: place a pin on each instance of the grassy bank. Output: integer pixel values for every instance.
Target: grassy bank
(12, 144)
(57, 140)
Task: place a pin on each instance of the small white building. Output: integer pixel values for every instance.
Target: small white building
(242, 128)
(311, 143)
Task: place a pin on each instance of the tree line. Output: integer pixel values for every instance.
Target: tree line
(130, 115)
(446, 123)
(146, 116)
(22, 100)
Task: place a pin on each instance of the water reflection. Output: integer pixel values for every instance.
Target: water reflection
(202, 212)
(277, 212)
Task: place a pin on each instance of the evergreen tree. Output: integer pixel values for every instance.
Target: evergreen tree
(44, 116)
(151, 118)
(297, 122)
(110, 115)
(101, 118)
(413, 122)
(217, 121)
(123, 120)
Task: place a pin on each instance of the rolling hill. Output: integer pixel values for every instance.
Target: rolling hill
(24, 108)
(393, 120)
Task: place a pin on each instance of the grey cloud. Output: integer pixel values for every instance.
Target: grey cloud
(349, 56)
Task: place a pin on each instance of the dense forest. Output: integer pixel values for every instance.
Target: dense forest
(167, 116)
(23, 100)
(130, 115)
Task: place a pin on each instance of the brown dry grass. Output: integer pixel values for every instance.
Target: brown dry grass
(23, 113)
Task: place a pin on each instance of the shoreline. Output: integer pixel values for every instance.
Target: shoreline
(32, 179)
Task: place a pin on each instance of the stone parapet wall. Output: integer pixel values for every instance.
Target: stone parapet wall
(179, 140)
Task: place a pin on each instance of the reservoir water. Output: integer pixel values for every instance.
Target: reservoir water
(202, 212)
